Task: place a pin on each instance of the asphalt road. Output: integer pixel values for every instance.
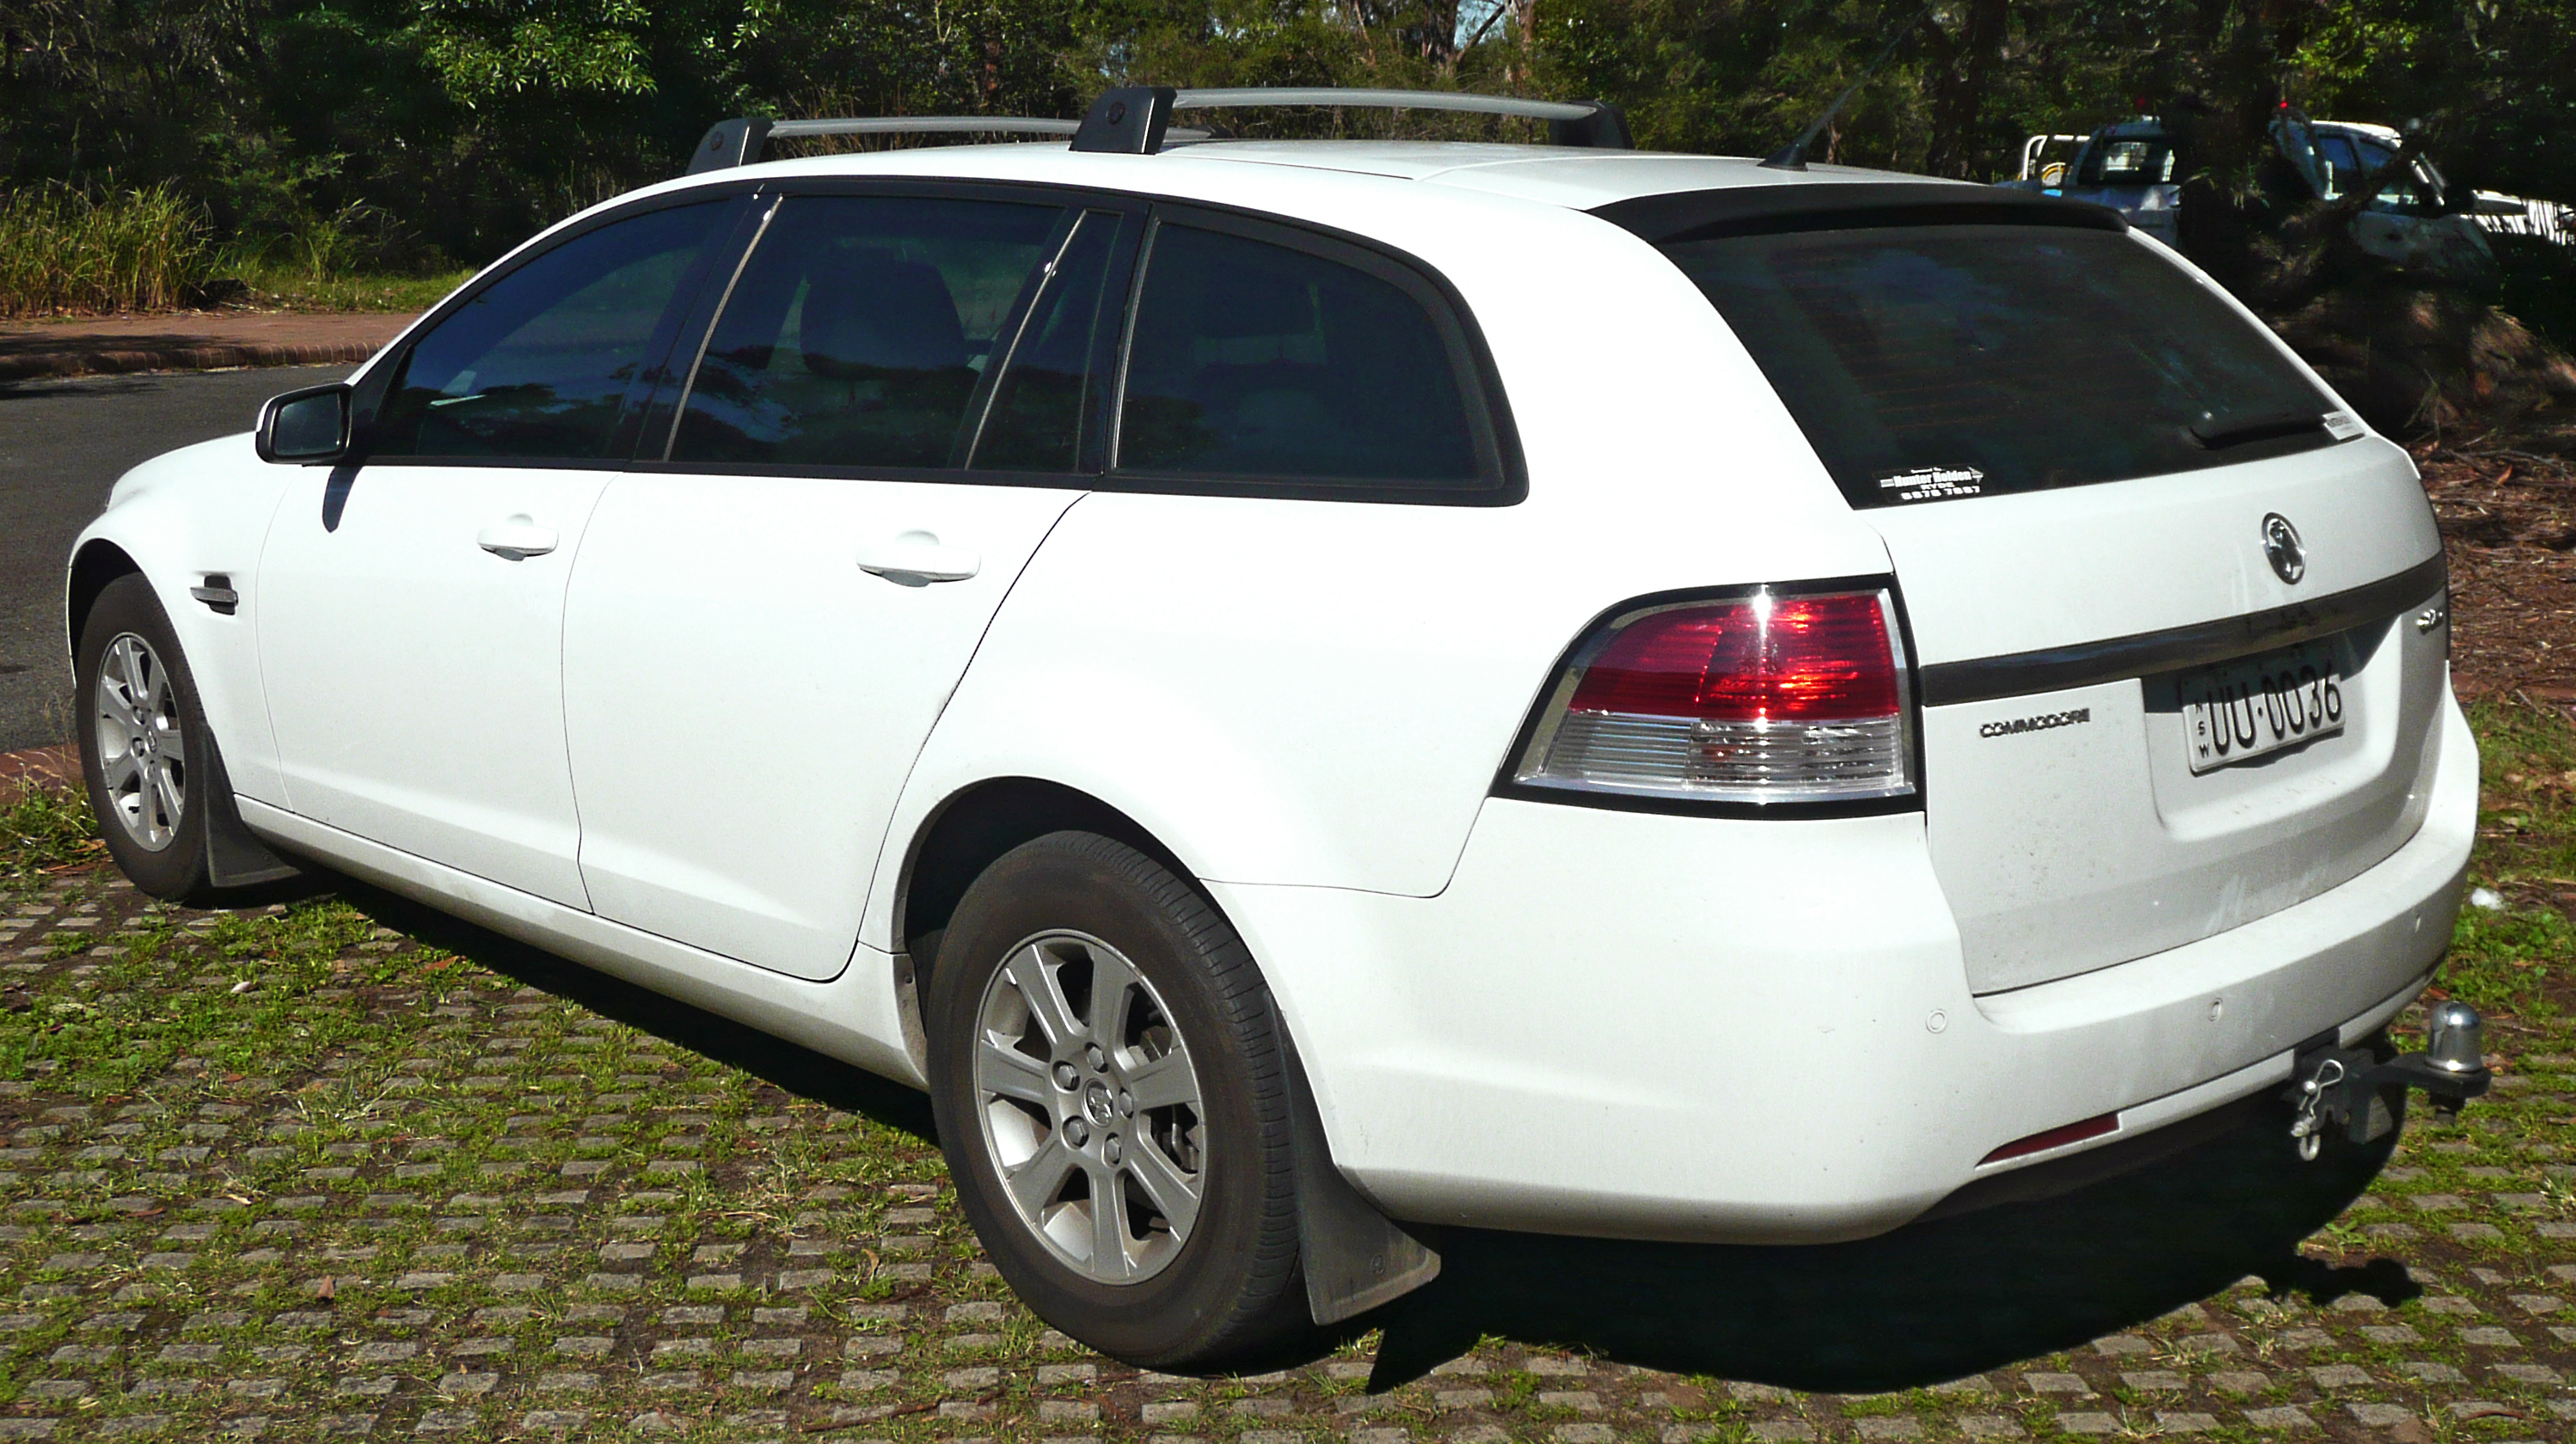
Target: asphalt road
(62, 445)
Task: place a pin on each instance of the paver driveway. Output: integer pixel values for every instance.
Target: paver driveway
(338, 1167)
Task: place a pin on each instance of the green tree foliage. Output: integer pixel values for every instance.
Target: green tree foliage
(457, 126)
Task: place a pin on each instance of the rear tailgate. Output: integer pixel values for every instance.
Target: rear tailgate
(2176, 613)
(2057, 631)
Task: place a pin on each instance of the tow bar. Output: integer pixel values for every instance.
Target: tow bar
(2351, 1087)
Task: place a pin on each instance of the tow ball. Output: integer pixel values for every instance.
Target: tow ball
(2352, 1087)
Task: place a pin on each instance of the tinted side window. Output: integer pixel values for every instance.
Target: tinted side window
(1257, 360)
(1041, 400)
(857, 332)
(539, 363)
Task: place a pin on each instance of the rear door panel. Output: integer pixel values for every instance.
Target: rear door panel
(743, 700)
(768, 623)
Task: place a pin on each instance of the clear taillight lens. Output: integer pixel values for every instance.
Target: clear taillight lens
(1761, 699)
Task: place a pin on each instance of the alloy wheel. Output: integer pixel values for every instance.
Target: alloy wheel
(1090, 1107)
(142, 753)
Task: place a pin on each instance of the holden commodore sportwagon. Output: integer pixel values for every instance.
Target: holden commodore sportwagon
(1312, 692)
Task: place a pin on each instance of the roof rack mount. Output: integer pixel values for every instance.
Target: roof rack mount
(1136, 120)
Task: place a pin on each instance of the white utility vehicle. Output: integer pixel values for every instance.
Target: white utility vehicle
(1311, 692)
(2414, 216)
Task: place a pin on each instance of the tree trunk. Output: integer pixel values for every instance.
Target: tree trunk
(1959, 93)
(2225, 157)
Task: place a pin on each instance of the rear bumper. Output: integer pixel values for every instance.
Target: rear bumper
(1635, 1025)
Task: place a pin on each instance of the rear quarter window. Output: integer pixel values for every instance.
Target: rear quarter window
(1261, 357)
(1933, 362)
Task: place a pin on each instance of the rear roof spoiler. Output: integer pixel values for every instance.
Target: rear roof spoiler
(1136, 120)
(1853, 205)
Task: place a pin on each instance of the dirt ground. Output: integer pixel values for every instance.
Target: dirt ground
(190, 341)
(2508, 515)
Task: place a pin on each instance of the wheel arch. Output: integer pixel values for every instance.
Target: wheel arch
(1354, 1257)
(97, 563)
(973, 827)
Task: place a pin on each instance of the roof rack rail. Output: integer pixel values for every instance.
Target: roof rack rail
(739, 141)
(1136, 120)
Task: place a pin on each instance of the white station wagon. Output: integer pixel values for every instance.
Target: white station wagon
(1314, 692)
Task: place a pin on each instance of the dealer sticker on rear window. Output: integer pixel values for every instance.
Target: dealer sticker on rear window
(1934, 483)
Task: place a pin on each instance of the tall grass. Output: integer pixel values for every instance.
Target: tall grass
(66, 250)
(356, 259)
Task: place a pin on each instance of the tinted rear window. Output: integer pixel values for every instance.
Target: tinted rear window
(1258, 360)
(1932, 362)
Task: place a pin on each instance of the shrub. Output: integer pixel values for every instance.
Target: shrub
(66, 250)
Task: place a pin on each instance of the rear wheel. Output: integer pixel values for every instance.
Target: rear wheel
(145, 751)
(1111, 1095)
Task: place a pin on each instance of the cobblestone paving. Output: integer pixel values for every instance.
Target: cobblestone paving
(292, 1173)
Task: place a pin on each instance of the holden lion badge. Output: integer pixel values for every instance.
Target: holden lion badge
(2281, 546)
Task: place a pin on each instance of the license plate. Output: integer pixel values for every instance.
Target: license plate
(2245, 709)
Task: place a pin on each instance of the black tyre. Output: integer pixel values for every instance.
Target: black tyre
(146, 754)
(1111, 1092)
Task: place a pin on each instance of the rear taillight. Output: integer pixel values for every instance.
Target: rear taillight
(1796, 697)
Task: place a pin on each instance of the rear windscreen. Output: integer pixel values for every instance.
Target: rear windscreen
(1932, 362)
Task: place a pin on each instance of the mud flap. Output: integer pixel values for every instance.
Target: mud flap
(234, 858)
(1355, 1257)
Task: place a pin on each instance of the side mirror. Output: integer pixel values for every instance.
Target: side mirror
(305, 426)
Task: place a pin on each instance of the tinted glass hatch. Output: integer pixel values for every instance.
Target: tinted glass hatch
(1931, 362)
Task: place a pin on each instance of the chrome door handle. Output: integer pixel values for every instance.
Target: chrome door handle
(918, 558)
(516, 539)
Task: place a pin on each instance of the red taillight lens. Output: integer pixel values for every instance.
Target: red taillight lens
(1761, 659)
(1764, 698)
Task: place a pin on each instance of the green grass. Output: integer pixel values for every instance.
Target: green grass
(105, 1029)
(2503, 962)
(2527, 794)
(2511, 959)
(456, 1095)
(291, 288)
(330, 263)
(67, 250)
(42, 829)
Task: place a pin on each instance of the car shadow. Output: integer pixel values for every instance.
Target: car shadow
(797, 1070)
(111, 384)
(1927, 1304)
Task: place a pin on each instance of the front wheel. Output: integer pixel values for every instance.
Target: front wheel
(1111, 1093)
(145, 751)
